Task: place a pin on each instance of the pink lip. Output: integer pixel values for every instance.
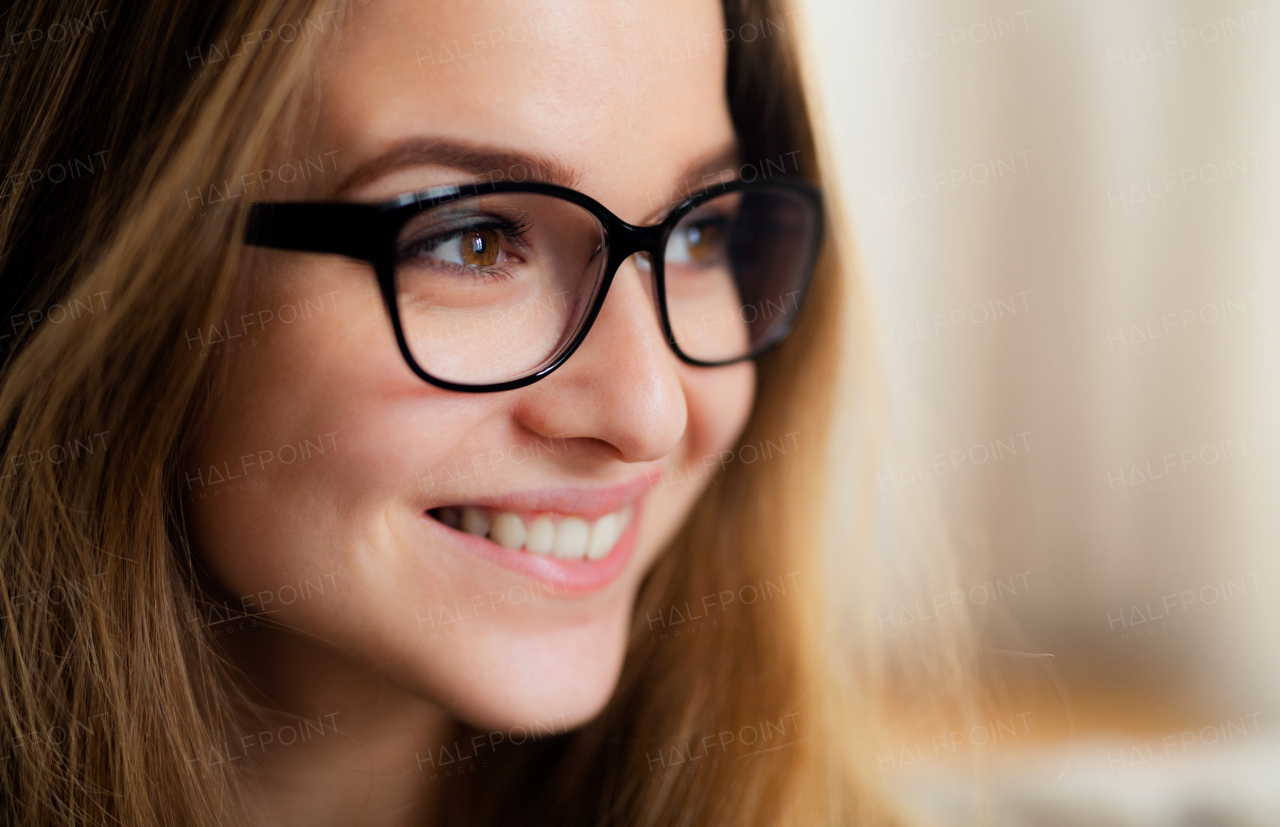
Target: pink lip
(559, 576)
(585, 502)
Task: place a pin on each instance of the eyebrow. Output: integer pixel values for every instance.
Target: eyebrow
(694, 178)
(712, 165)
(497, 164)
(480, 161)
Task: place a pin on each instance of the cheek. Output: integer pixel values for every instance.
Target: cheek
(316, 433)
(719, 402)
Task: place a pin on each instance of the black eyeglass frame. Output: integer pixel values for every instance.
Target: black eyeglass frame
(368, 232)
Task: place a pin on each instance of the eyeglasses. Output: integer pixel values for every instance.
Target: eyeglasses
(492, 287)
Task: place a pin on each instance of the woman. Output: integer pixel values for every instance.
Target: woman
(427, 487)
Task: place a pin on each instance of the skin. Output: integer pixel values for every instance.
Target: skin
(367, 657)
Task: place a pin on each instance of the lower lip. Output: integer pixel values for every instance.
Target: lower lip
(559, 576)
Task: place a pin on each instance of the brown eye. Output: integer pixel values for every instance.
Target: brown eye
(480, 247)
(697, 242)
(704, 241)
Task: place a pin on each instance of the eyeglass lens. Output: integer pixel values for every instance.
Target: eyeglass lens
(735, 268)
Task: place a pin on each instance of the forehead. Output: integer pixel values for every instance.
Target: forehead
(622, 93)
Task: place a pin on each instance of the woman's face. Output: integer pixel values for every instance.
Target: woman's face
(326, 473)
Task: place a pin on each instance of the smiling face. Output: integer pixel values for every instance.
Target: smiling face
(482, 551)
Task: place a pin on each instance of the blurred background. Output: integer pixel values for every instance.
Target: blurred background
(1069, 217)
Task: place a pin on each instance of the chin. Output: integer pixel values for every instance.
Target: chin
(538, 679)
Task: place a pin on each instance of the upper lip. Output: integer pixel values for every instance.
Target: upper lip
(585, 501)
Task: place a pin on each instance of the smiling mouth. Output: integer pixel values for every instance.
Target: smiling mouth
(564, 536)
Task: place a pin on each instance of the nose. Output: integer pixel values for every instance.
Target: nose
(621, 386)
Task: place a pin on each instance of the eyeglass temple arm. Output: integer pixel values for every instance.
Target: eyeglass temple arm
(345, 229)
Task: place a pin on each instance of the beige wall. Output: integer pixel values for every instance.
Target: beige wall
(1079, 202)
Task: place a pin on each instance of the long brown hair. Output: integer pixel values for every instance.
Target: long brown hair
(109, 691)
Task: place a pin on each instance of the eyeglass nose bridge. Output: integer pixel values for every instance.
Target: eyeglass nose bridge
(625, 240)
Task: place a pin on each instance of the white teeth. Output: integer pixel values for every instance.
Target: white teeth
(507, 531)
(603, 535)
(571, 538)
(542, 535)
(475, 521)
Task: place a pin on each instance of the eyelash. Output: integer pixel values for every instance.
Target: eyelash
(511, 231)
